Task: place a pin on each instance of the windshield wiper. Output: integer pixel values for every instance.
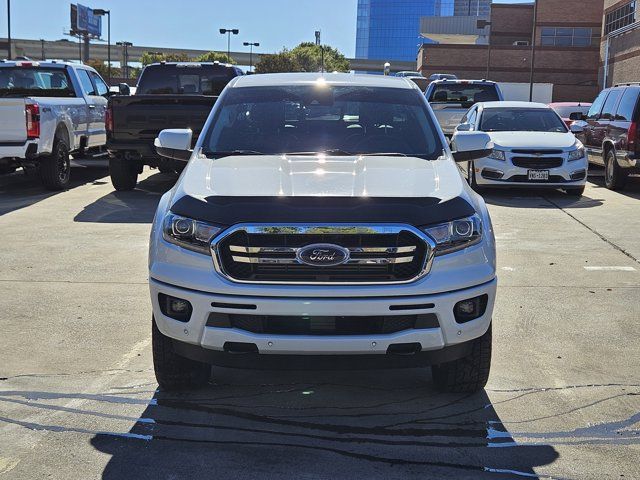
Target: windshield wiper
(231, 153)
(332, 151)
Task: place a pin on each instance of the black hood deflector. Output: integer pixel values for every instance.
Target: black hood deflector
(229, 211)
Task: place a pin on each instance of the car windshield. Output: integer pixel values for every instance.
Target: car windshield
(338, 120)
(34, 81)
(521, 120)
(565, 111)
(464, 93)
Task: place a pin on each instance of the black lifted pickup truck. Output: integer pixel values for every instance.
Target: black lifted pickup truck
(169, 95)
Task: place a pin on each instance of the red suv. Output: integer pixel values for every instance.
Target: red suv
(611, 134)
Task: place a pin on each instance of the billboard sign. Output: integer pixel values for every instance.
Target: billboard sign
(84, 21)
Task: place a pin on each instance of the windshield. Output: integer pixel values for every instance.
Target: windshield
(34, 81)
(466, 94)
(521, 120)
(565, 112)
(185, 79)
(340, 120)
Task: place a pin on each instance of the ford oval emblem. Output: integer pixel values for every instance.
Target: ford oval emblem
(323, 255)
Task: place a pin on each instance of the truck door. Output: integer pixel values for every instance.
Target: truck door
(97, 106)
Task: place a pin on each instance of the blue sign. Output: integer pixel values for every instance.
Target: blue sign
(83, 20)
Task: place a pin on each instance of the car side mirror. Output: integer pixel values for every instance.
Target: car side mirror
(124, 89)
(469, 146)
(463, 127)
(576, 128)
(576, 116)
(174, 143)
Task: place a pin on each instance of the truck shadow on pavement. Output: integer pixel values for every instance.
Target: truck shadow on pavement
(369, 424)
(18, 190)
(529, 198)
(136, 206)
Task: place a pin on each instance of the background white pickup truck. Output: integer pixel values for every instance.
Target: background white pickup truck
(48, 110)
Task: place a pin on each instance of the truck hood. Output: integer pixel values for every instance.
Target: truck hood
(310, 176)
(282, 188)
(527, 140)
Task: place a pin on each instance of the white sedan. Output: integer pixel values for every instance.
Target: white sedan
(532, 148)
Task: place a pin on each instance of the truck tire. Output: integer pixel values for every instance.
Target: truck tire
(615, 177)
(468, 374)
(55, 168)
(124, 173)
(174, 372)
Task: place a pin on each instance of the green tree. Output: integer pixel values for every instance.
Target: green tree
(154, 57)
(306, 57)
(277, 63)
(215, 57)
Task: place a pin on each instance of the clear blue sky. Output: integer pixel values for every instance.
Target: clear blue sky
(195, 23)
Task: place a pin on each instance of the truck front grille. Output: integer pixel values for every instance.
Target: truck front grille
(270, 254)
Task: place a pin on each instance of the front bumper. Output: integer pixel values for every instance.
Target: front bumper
(569, 174)
(198, 337)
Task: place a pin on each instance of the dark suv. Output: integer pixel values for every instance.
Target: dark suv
(611, 134)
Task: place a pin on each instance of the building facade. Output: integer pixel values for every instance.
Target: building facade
(620, 47)
(567, 48)
(390, 29)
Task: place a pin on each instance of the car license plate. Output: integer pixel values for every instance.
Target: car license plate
(538, 174)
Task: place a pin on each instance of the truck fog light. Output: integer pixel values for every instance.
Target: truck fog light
(470, 309)
(176, 308)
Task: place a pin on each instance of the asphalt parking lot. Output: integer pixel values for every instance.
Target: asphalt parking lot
(78, 396)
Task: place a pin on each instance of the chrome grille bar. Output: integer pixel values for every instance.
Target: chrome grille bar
(293, 250)
(293, 261)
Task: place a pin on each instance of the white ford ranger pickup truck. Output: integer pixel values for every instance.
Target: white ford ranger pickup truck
(322, 222)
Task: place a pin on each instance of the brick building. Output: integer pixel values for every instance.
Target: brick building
(567, 48)
(620, 48)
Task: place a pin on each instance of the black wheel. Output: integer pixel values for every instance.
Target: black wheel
(174, 372)
(468, 374)
(55, 169)
(124, 173)
(575, 191)
(614, 177)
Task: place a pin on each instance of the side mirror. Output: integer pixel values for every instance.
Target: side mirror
(174, 143)
(463, 127)
(576, 116)
(124, 89)
(469, 146)
(576, 128)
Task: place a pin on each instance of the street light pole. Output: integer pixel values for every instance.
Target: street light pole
(228, 32)
(482, 24)
(9, 28)
(125, 53)
(533, 48)
(251, 45)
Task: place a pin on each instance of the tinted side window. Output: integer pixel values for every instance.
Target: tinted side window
(628, 104)
(100, 85)
(594, 111)
(609, 109)
(85, 81)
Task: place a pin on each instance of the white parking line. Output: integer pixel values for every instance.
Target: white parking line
(610, 269)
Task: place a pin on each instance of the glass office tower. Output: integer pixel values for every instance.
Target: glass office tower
(390, 29)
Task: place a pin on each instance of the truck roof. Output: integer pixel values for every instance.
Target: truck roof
(38, 63)
(288, 79)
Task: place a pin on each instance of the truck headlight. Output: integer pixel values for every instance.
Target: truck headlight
(498, 155)
(188, 233)
(456, 235)
(576, 154)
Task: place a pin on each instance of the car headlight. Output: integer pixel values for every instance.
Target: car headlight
(498, 155)
(188, 233)
(456, 235)
(576, 154)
